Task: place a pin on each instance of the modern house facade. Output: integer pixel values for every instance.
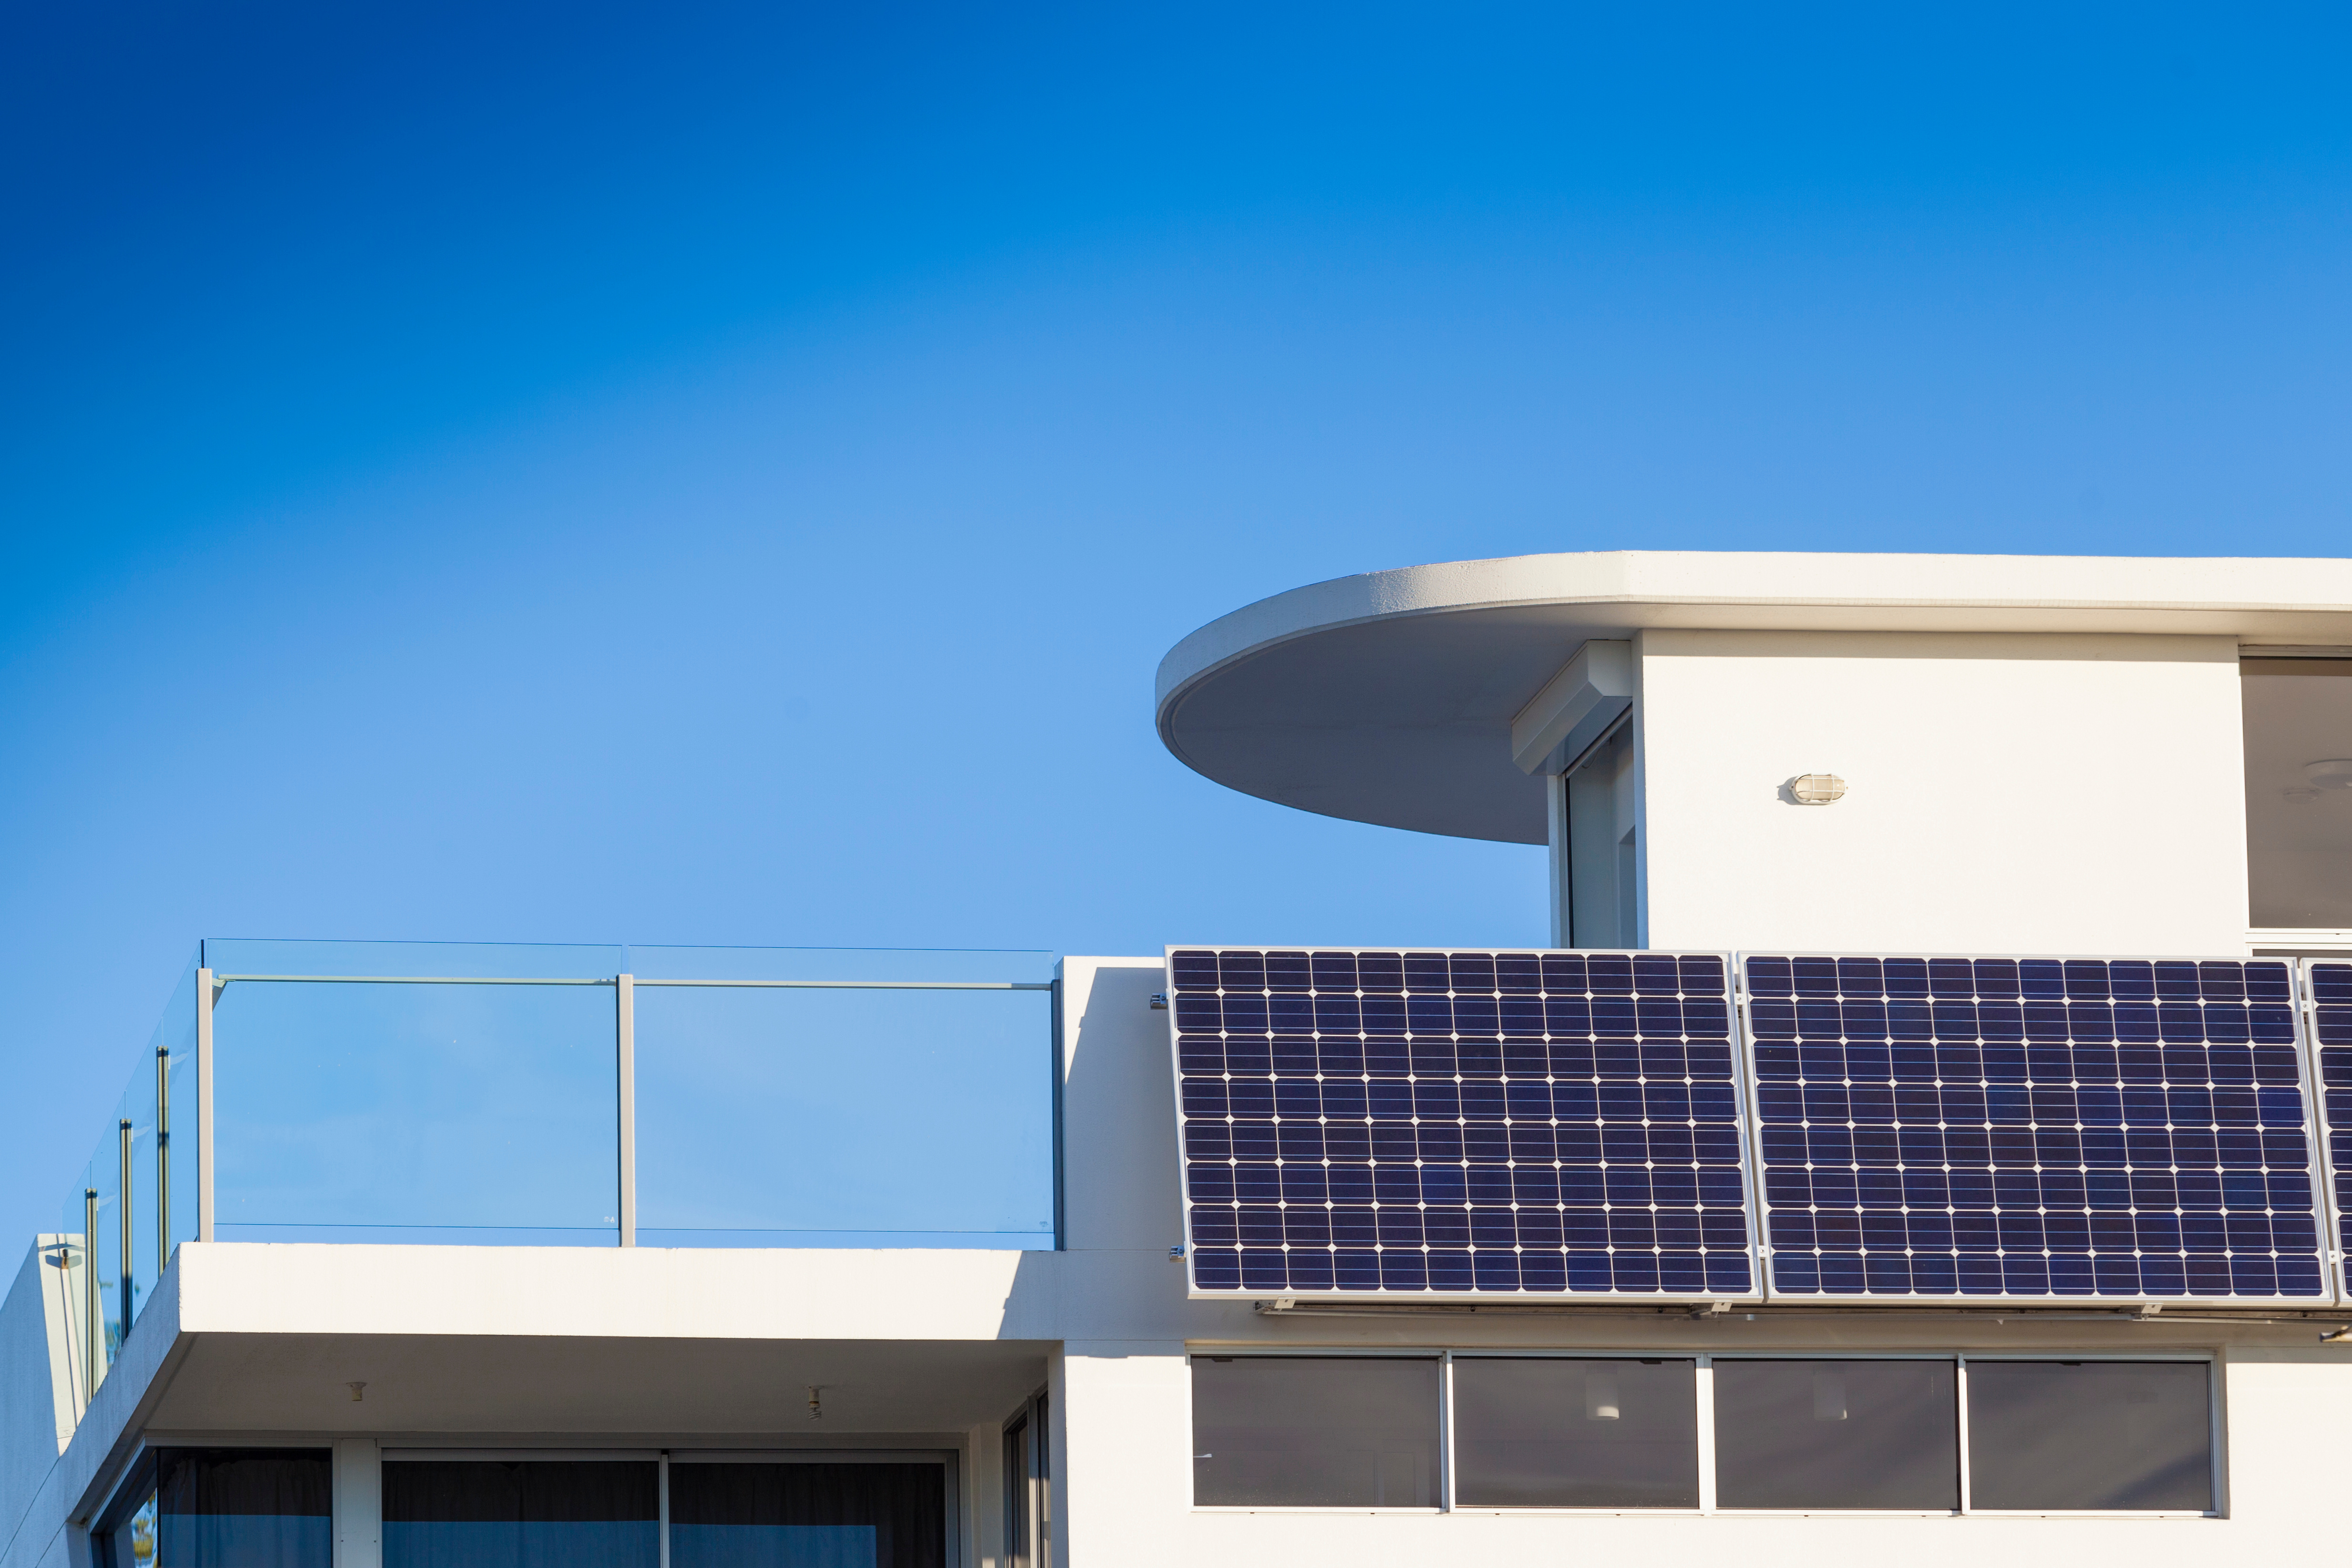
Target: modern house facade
(1915, 1135)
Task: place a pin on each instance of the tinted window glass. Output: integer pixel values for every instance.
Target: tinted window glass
(522, 1513)
(1315, 1432)
(2090, 1435)
(1837, 1434)
(807, 1516)
(239, 1507)
(1575, 1434)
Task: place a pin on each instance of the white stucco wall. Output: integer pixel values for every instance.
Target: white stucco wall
(2007, 793)
(1133, 1412)
(28, 1436)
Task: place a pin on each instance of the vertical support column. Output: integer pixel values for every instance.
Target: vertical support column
(1556, 815)
(661, 1501)
(1960, 1401)
(162, 1160)
(206, 1135)
(983, 1485)
(1060, 1066)
(358, 1503)
(1445, 1432)
(1053, 1459)
(624, 1013)
(1705, 1386)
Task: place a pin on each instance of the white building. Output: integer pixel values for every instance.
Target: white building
(416, 1257)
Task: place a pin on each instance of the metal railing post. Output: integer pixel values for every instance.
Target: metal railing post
(162, 1160)
(624, 1010)
(92, 1329)
(122, 1191)
(204, 1136)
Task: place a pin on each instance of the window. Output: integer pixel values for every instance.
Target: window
(2065, 1434)
(1315, 1431)
(1028, 1492)
(1837, 1434)
(1549, 1433)
(2299, 713)
(522, 1513)
(2043, 1435)
(225, 1507)
(776, 1515)
(1598, 804)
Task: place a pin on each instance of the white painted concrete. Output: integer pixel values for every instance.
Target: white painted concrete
(1389, 697)
(2005, 794)
(29, 1439)
(358, 1503)
(671, 1293)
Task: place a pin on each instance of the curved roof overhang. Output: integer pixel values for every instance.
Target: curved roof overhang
(1388, 697)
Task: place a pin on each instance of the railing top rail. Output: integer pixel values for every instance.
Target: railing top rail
(610, 979)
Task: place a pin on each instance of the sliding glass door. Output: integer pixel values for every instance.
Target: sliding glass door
(721, 1511)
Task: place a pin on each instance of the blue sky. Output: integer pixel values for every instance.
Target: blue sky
(718, 474)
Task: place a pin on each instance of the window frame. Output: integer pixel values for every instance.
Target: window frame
(1704, 1394)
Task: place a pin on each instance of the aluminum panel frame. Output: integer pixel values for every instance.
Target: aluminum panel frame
(2338, 1212)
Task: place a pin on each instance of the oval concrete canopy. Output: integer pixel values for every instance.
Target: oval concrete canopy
(1388, 697)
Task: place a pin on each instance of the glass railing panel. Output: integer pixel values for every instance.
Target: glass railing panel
(136, 1116)
(391, 1111)
(102, 1181)
(80, 1292)
(779, 1116)
(413, 960)
(175, 1037)
(913, 965)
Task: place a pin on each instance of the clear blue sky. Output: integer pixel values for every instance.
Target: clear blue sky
(726, 474)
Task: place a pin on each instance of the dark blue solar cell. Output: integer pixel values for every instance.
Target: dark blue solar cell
(2063, 1128)
(1326, 1151)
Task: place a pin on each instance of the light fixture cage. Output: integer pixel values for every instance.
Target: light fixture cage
(1817, 789)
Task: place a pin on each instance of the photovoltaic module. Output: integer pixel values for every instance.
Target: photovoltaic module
(2036, 1129)
(1442, 1123)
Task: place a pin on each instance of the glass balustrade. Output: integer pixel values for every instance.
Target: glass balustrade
(584, 1096)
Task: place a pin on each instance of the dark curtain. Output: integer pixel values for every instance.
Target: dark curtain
(243, 1507)
(786, 1516)
(523, 1513)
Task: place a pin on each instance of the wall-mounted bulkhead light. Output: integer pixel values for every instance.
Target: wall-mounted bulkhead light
(1816, 789)
(2333, 774)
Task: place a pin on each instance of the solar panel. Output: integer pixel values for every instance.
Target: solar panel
(2032, 1130)
(1460, 1123)
(2330, 987)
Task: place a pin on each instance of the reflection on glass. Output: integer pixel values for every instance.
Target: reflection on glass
(2298, 835)
(1315, 1431)
(131, 1542)
(926, 965)
(522, 1513)
(177, 1205)
(807, 1516)
(1837, 1434)
(1543, 1433)
(2090, 1435)
(102, 1210)
(241, 1508)
(136, 1114)
(380, 1111)
(843, 1118)
(414, 960)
